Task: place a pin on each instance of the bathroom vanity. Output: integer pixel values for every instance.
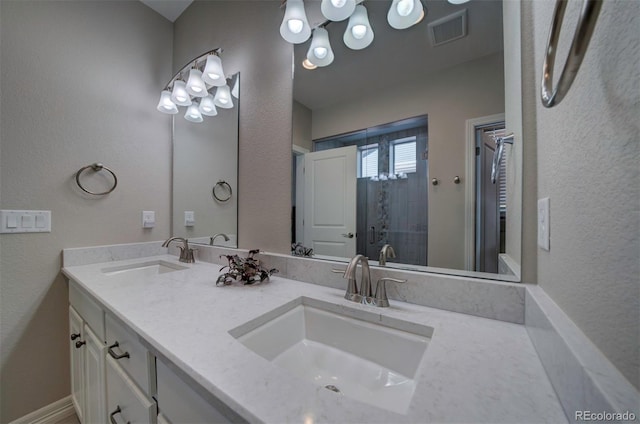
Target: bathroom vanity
(159, 341)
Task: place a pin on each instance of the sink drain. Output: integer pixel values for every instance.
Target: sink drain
(332, 388)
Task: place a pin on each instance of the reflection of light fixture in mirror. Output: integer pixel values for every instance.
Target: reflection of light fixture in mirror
(165, 105)
(193, 113)
(320, 52)
(457, 1)
(223, 97)
(195, 85)
(207, 106)
(179, 95)
(295, 27)
(359, 33)
(405, 13)
(337, 10)
(306, 64)
(235, 91)
(213, 73)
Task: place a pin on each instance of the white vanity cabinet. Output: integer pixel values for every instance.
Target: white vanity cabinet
(112, 374)
(86, 324)
(131, 376)
(87, 370)
(179, 403)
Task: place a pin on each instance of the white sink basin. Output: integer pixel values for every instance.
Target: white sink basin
(149, 268)
(360, 358)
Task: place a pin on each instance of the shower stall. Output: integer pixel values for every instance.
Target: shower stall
(391, 189)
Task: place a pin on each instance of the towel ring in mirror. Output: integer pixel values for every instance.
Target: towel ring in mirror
(96, 167)
(223, 186)
(551, 96)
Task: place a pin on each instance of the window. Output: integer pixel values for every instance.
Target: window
(368, 161)
(402, 155)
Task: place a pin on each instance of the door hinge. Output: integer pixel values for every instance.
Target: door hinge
(477, 151)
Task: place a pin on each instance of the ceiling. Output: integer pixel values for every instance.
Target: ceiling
(394, 55)
(170, 9)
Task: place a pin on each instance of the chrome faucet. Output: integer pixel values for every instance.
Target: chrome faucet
(211, 239)
(350, 273)
(186, 253)
(386, 252)
(364, 296)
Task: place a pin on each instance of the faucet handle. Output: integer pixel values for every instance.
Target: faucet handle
(380, 298)
(338, 271)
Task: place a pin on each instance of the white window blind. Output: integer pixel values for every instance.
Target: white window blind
(368, 161)
(403, 155)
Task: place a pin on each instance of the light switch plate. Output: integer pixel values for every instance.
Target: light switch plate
(543, 224)
(21, 221)
(148, 219)
(189, 219)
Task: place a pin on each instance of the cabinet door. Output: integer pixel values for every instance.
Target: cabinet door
(94, 378)
(126, 403)
(77, 362)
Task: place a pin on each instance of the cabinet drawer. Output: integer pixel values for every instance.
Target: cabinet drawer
(125, 402)
(89, 310)
(139, 364)
(179, 403)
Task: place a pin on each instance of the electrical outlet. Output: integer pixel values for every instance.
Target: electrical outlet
(148, 219)
(189, 219)
(543, 223)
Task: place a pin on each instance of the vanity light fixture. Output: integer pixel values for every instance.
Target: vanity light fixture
(213, 73)
(295, 26)
(195, 84)
(204, 72)
(337, 10)
(405, 13)
(320, 52)
(179, 94)
(165, 105)
(306, 64)
(457, 1)
(359, 33)
(223, 97)
(193, 113)
(207, 106)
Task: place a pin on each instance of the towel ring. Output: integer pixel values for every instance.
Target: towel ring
(222, 183)
(551, 96)
(96, 167)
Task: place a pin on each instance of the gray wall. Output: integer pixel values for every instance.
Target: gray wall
(588, 165)
(80, 82)
(248, 33)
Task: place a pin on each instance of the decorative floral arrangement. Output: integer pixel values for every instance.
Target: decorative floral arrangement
(248, 270)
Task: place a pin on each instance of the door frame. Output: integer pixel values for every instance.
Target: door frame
(470, 184)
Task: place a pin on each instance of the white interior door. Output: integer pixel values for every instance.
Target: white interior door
(330, 201)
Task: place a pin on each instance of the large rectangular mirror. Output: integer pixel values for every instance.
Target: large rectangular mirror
(394, 144)
(205, 175)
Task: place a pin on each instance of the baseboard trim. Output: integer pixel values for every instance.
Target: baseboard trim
(50, 414)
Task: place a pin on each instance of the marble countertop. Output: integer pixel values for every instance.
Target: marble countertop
(475, 370)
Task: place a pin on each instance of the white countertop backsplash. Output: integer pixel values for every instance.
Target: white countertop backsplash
(474, 370)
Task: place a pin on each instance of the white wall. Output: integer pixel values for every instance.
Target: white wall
(588, 165)
(445, 98)
(248, 33)
(80, 82)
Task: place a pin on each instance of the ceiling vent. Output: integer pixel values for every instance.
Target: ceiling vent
(449, 28)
